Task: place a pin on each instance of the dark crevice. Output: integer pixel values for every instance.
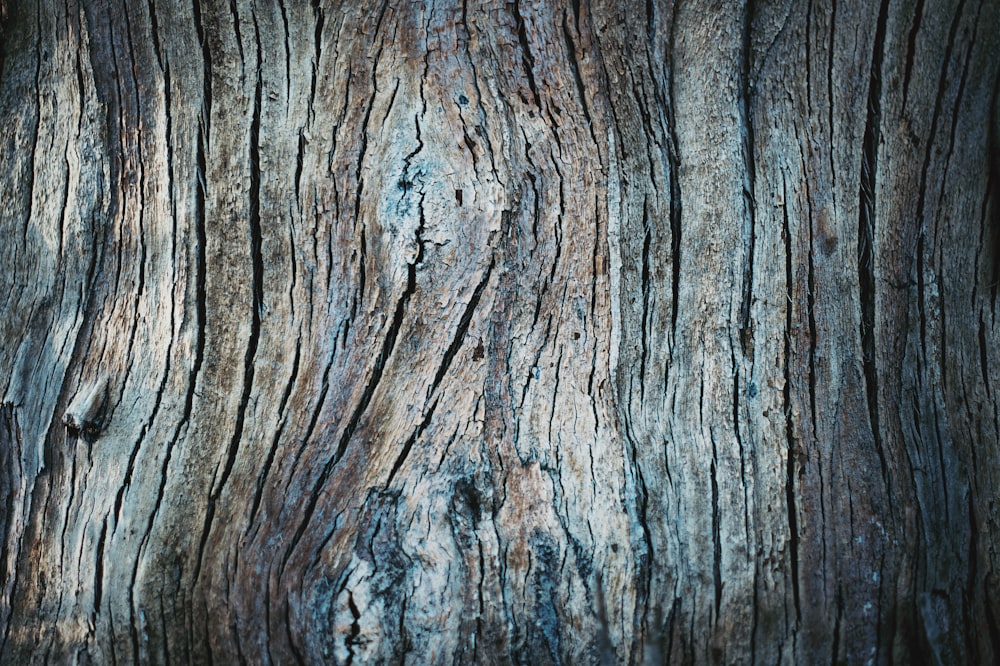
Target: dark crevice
(29, 187)
(99, 568)
(461, 329)
(288, 55)
(552, 411)
(408, 445)
(742, 448)
(239, 38)
(991, 198)
(866, 232)
(793, 529)
(911, 50)
(161, 389)
(599, 238)
(257, 306)
(317, 46)
(299, 159)
(527, 59)
(559, 217)
(388, 344)
(716, 536)
(647, 240)
(674, 164)
(750, 235)
(936, 115)
(538, 354)
(388, 107)
(971, 591)
(273, 450)
(130, 467)
(575, 66)
(352, 638)
(835, 660)
(942, 85)
(362, 151)
(199, 352)
(206, 57)
(813, 338)
(155, 34)
(939, 441)
(921, 305)
(832, 99)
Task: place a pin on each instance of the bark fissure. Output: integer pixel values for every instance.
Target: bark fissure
(716, 535)
(461, 329)
(789, 425)
(257, 284)
(911, 51)
(527, 59)
(675, 202)
(646, 314)
(749, 185)
(272, 451)
(235, 13)
(575, 66)
(206, 53)
(866, 232)
(408, 445)
(388, 345)
(927, 162)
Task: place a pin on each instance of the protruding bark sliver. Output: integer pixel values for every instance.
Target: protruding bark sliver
(86, 413)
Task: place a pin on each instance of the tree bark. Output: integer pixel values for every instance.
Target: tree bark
(533, 332)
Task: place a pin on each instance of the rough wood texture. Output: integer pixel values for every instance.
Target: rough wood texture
(533, 332)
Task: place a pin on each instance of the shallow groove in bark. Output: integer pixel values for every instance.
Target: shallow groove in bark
(942, 84)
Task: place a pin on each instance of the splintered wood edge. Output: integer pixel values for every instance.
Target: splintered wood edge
(86, 411)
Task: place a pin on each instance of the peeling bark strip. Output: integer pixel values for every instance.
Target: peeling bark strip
(532, 332)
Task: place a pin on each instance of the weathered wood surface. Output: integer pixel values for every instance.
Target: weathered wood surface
(517, 332)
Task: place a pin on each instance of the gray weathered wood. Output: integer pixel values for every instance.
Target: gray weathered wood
(474, 332)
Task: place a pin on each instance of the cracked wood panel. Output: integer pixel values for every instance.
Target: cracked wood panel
(548, 332)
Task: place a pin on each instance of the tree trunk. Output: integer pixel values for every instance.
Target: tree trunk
(533, 332)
